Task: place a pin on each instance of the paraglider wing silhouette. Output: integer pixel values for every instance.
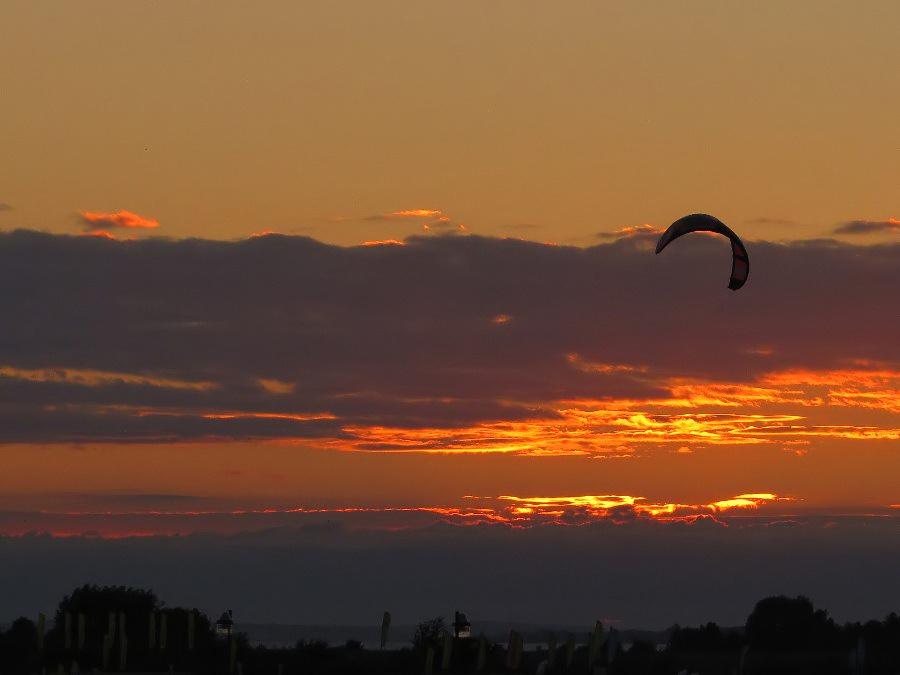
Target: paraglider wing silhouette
(700, 222)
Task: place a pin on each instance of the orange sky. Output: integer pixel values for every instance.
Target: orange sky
(223, 119)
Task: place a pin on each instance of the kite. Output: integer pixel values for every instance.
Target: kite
(700, 222)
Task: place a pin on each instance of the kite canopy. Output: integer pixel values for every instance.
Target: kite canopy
(700, 222)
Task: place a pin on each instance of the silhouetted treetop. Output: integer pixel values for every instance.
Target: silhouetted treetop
(779, 623)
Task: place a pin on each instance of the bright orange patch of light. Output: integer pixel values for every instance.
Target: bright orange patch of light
(125, 219)
(384, 242)
(415, 213)
(297, 417)
(636, 230)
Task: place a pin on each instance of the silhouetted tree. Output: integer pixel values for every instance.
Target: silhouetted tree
(707, 638)
(430, 634)
(19, 648)
(779, 623)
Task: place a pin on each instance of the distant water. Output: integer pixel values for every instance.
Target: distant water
(285, 636)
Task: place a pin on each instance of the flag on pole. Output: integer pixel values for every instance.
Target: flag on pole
(80, 630)
(514, 650)
(482, 653)
(68, 631)
(429, 660)
(385, 628)
(232, 654)
(41, 627)
(570, 650)
(107, 645)
(551, 650)
(191, 630)
(123, 649)
(163, 630)
(596, 643)
(447, 651)
(612, 645)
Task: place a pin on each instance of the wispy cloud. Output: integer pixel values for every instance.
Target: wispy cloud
(432, 221)
(408, 214)
(891, 225)
(632, 231)
(94, 221)
(768, 220)
(5, 207)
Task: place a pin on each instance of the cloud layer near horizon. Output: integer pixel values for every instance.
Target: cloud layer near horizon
(443, 343)
(644, 574)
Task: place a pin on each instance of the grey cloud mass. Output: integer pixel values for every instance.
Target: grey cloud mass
(442, 331)
(868, 226)
(641, 574)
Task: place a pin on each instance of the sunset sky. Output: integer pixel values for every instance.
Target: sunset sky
(317, 309)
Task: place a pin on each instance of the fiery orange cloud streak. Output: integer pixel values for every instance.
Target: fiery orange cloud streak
(510, 510)
(414, 213)
(796, 404)
(124, 219)
(384, 242)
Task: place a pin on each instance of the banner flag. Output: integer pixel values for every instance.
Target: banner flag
(80, 630)
(514, 650)
(67, 640)
(612, 645)
(111, 626)
(107, 644)
(570, 650)
(123, 648)
(151, 631)
(41, 627)
(163, 629)
(596, 643)
(551, 650)
(447, 651)
(385, 628)
(482, 653)
(429, 660)
(232, 655)
(191, 630)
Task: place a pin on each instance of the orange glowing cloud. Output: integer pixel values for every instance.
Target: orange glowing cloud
(94, 221)
(632, 231)
(514, 511)
(384, 242)
(99, 378)
(273, 386)
(583, 508)
(406, 214)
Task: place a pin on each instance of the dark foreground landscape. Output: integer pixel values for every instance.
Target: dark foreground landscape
(118, 629)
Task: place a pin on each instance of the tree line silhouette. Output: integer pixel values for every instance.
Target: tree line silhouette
(122, 629)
